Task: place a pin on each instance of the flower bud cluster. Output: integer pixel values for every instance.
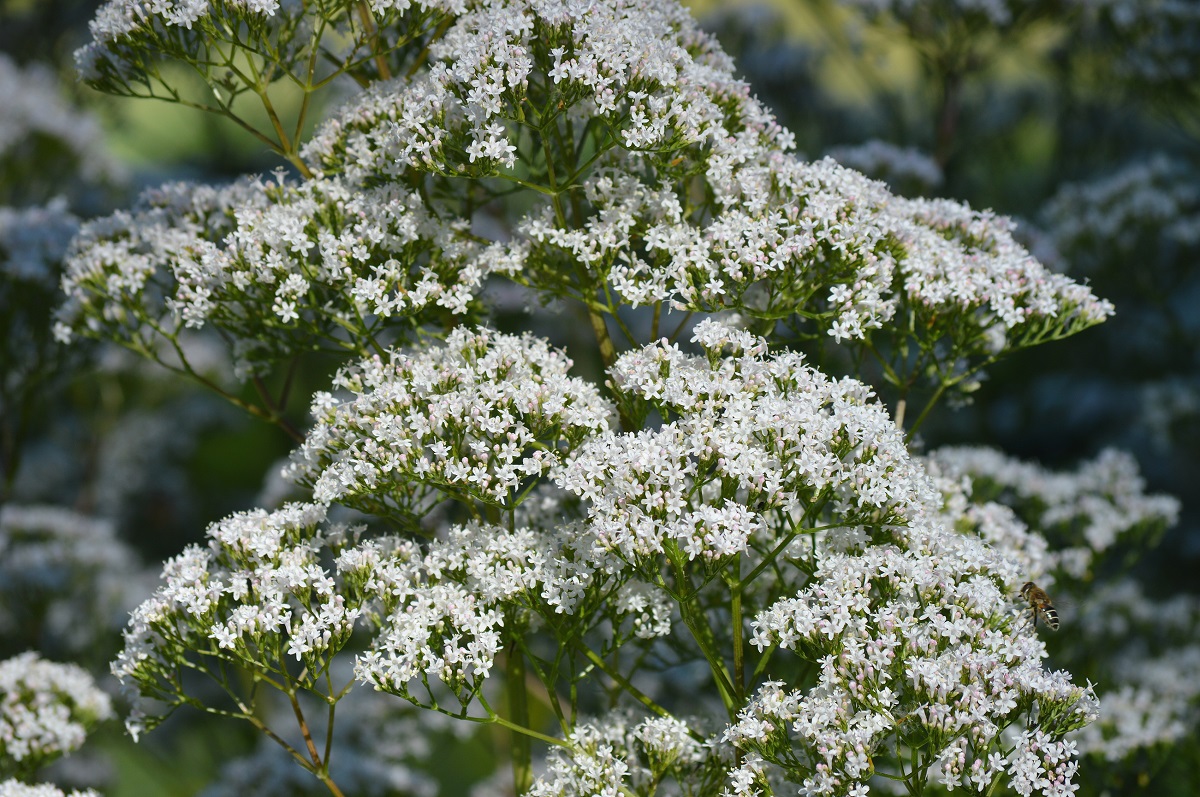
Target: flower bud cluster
(482, 417)
(325, 256)
(46, 710)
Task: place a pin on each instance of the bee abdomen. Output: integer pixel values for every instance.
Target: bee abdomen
(1050, 615)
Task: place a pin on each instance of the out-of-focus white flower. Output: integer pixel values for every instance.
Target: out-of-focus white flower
(895, 165)
(1083, 513)
(38, 116)
(15, 788)
(46, 710)
(64, 578)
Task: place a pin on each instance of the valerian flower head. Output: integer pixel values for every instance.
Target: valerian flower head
(324, 256)
(644, 70)
(858, 263)
(918, 642)
(441, 615)
(46, 711)
(745, 435)
(1082, 513)
(131, 40)
(620, 753)
(483, 418)
(261, 594)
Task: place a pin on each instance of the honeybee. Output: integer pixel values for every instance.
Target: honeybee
(1039, 601)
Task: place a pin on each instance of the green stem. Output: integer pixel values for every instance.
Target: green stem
(518, 707)
(739, 654)
(621, 680)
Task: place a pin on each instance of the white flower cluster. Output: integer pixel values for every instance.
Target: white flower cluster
(995, 523)
(64, 577)
(259, 595)
(1155, 40)
(1147, 206)
(33, 241)
(965, 261)
(642, 68)
(619, 754)
(916, 641)
(36, 113)
(46, 710)
(1151, 669)
(815, 238)
(441, 614)
(745, 434)
(482, 417)
(15, 788)
(1153, 703)
(1083, 513)
(897, 166)
(324, 256)
(130, 38)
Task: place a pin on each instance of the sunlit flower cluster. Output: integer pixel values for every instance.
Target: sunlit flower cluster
(260, 594)
(746, 434)
(46, 710)
(620, 753)
(917, 641)
(481, 417)
(652, 76)
(325, 256)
